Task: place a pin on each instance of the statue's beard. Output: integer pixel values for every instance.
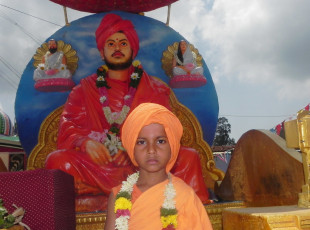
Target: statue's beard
(53, 50)
(118, 66)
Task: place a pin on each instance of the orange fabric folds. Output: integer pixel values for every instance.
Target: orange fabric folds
(145, 212)
(148, 113)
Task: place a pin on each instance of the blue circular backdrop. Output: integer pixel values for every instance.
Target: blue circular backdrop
(32, 106)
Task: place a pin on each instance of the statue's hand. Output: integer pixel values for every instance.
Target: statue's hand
(121, 158)
(186, 70)
(98, 152)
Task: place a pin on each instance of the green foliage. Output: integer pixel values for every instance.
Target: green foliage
(101, 72)
(123, 194)
(6, 219)
(223, 130)
(168, 212)
(114, 129)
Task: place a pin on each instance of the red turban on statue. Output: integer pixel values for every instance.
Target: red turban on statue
(111, 24)
(146, 114)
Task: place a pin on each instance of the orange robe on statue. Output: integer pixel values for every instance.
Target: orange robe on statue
(145, 212)
(83, 114)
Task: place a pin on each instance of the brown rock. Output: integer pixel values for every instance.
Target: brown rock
(262, 171)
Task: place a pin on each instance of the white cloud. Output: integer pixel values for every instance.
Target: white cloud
(293, 90)
(258, 41)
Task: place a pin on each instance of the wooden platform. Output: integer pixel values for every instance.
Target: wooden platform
(267, 218)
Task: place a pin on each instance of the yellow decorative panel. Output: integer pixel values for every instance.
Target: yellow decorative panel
(291, 134)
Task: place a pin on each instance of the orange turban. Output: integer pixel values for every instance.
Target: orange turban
(111, 24)
(146, 114)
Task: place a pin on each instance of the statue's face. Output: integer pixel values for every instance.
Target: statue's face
(117, 50)
(183, 46)
(52, 46)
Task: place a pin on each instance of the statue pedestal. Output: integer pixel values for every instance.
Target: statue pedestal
(276, 217)
(188, 81)
(54, 85)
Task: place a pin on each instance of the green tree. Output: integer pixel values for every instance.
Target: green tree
(223, 130)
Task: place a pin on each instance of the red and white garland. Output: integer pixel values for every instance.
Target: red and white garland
(117, 117)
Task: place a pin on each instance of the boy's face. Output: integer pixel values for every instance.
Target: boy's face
(152, 149)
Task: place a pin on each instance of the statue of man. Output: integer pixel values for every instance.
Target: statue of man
(53, 64)
(89, 145)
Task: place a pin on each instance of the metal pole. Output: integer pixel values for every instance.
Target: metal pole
(168, 15)
(66, 17)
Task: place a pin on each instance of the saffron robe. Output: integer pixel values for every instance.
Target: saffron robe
(83, 114)
(145, 212)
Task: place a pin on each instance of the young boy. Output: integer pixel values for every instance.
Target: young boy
(153, 199)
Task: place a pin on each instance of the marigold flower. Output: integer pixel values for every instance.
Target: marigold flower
(122, 203)
(136, 63)
(105, 68)
(167, 220)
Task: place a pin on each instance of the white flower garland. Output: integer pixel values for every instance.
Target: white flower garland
(118, 117)
(115, 117)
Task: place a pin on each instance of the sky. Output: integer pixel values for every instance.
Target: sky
(258, 52)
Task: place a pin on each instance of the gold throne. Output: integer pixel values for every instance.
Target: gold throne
(192, 137)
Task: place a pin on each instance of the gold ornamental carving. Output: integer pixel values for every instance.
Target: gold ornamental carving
(193, 137)
(47, 140)
(303, 123)
(297, 134)
(90, 221)
(215, 211)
